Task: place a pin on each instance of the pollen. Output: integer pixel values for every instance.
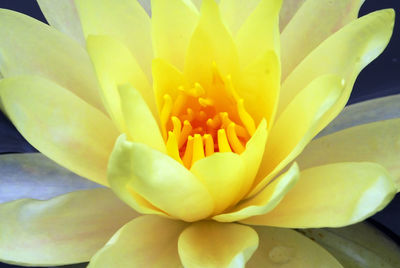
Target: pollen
(204, 119)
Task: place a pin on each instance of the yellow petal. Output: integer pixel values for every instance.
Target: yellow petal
(63, 230)
(297, 125)
(235, 13)
(285, 248)
(265, 200)
(63, 16)
(345, 53)
(260, 32)
(45, 52)
(315, 21)
(332, 195)
(228, 176)
(60, 125)
(259, 86)
(156, 176)
(375, 142)
(210, 43)
(139, 120)
(115, 66)
(173, 23)
(126, 21)
(147, 241)
(288, 10)
(211, 244)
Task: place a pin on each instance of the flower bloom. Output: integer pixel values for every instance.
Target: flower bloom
(195, 115)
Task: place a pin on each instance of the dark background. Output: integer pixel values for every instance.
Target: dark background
(380, 78)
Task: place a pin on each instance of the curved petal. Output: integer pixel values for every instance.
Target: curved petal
(287, 248)
(332, 195)
(297, 125)
(365, 112)
(45, 52)
(139, 120)
(63, 16)
(173, 23)
(60, 125)
(288, 10)
(375, 142)
(313, 23)
(259, 85)
(156, 176)
(228, 176)
(63, 230)
(147, 241)
(127, 22)
(115, 66)
(35, 176)
(259, 33)
(265, 200)
(211, 244)
(235, 13)
(210, 44)
(345, 53)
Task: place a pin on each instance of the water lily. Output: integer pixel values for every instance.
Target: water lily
(194, 117)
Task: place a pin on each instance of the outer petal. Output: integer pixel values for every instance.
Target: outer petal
(210, 43)
(147, 241)
(285, 248)
(345, 53)
(331, 196)
(211, 244)
(375, 142)
(288, 10)
(29, 47)
(313, 23)
(297, 125)
(264, 201)
(127, 21)
(228, 176)
(235, 13)
(173, 23)
(259, 33)
(63, 16)
(60, 125)
(35, 176)
(115, 66)
(139, 120)
(156, 176)
(63, 230)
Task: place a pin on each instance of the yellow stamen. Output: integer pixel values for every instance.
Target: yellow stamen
(225, 120)
(241, 132)
(209, 144)
(172, 147)
(177, 127)
(178, 104)
(230, 88)
(198, 150)
(233, 139)
(201, 116)
(187, 128)
(246, 119)
(206, 102)
(165, 114)
(223, 144)
(187, 157)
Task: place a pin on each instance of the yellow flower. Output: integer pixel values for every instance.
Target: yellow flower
(199, 113)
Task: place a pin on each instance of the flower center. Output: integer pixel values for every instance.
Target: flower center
(201, 120)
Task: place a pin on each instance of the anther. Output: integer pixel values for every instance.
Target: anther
(177, 127)
(206, 102)
(187, 157)
(246, 119)
(198, 150)
(172, 147)
(187, 128)
(209, 144)
(178, 104)
(223, 144)
(233, 139)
